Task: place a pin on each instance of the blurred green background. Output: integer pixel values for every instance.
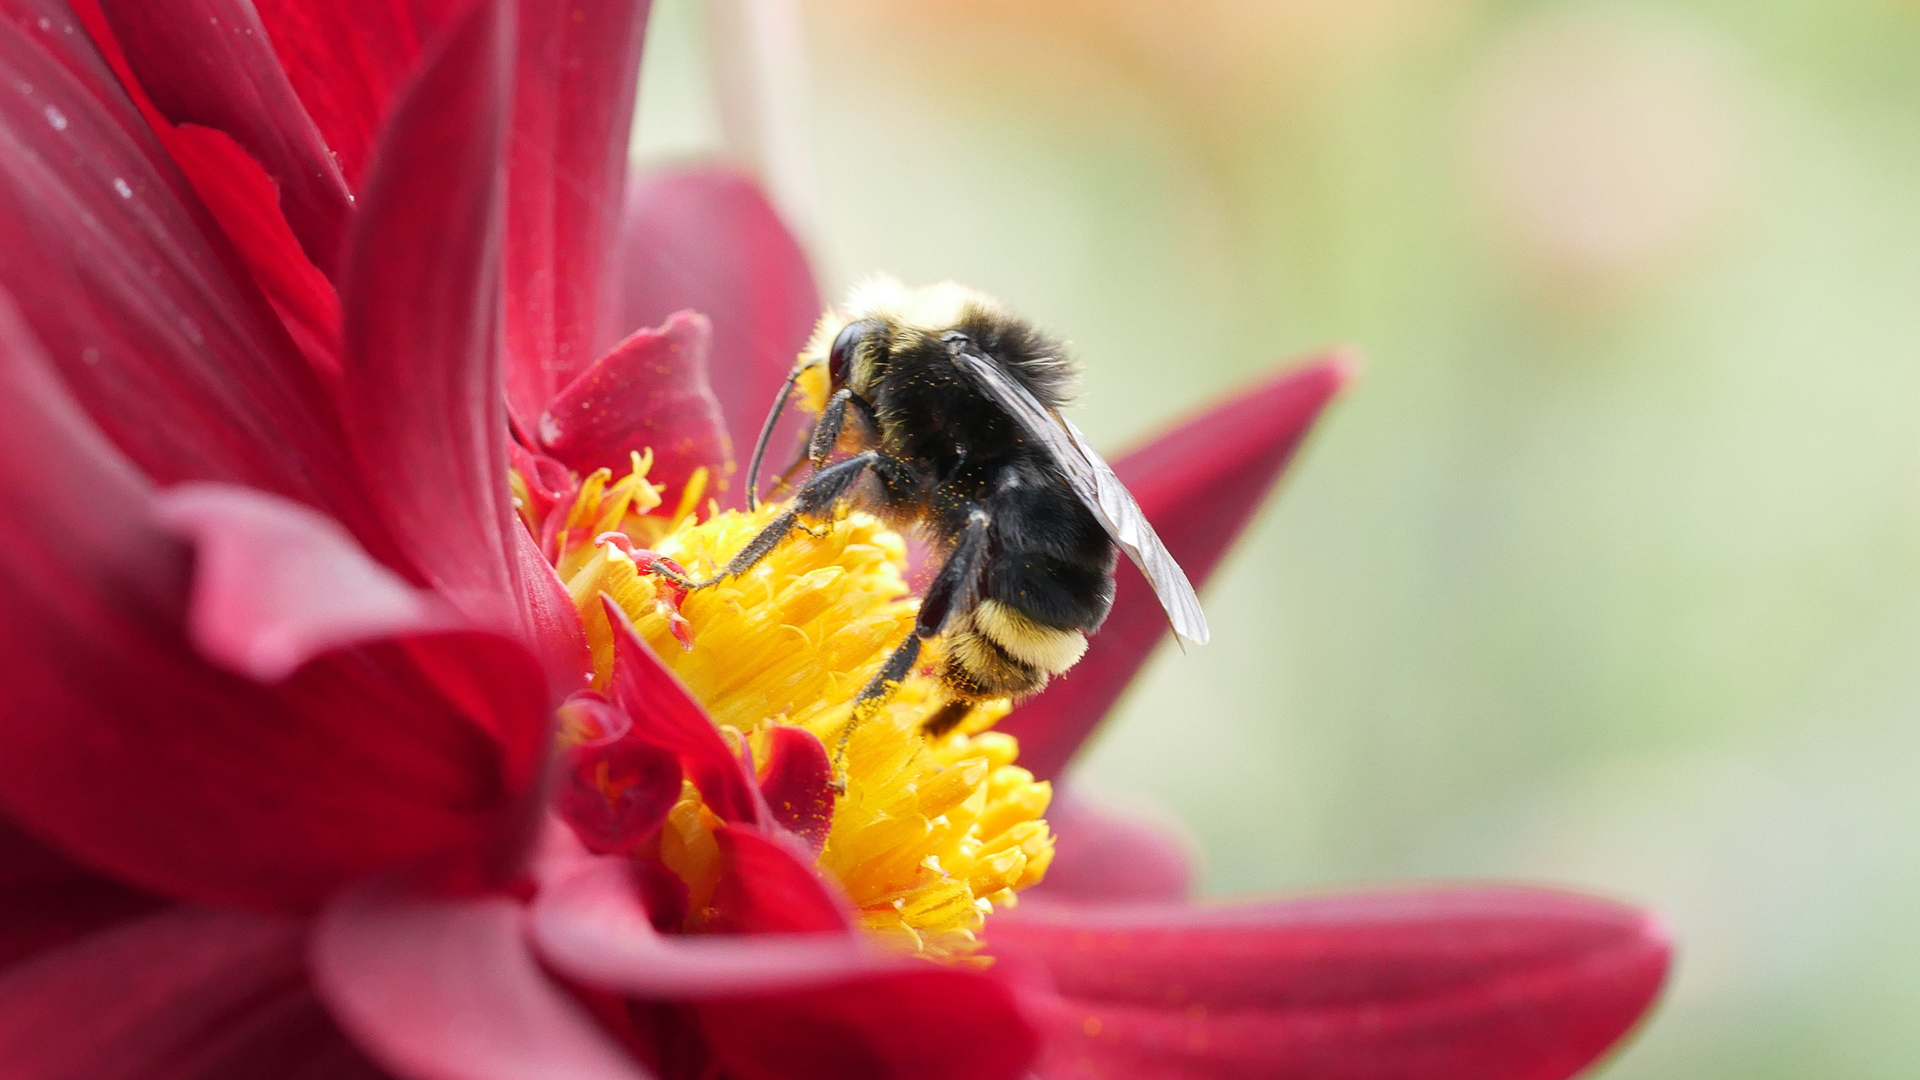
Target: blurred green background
(1607, 572)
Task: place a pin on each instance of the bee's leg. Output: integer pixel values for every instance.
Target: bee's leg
(834, 419)
(815, 499)
(952, 591)
(946, 718)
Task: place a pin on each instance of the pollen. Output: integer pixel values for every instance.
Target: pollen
(930, 835)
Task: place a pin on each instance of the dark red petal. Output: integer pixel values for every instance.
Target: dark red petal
(1493, 984)
(924, 1024)
(180, 993)
(349, 59)
(209, 63)
(767, 885)
(651, 391)
(558, 634)
(447, 988)
(1103, 853)
(1199, 485)
(47, 900)
(797, 783)
(705, 238)
(592, 927)
(663, 712)
(421, 292)
(135, 294)
(242, 198)
(572, 111)
(246, 202)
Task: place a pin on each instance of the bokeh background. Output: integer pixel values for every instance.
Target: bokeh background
(1607, 572)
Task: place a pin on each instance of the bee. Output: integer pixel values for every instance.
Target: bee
(951, 405)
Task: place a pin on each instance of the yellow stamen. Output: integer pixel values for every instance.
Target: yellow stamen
(930, 835)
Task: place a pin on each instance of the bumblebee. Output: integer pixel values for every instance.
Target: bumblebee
(950, 403)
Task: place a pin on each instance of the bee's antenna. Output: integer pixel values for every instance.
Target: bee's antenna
(766, 436)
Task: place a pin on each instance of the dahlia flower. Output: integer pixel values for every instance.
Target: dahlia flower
(349, 394)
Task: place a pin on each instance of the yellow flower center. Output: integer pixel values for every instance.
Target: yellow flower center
(931, 834)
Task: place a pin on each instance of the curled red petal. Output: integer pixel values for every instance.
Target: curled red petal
(135, 294)
(790, 1005)
(767, 885)
(183, 992)
(1102, 853)
(439, 987)
(616, 792)
(705, 238)
(593, 927)
(573, 110)
(210, 63)
(1199, 485)
(1495, 984)
(276, 583)
(652, 392)
(663, 712)
(421, 293)
(349, 59)
(797, 784)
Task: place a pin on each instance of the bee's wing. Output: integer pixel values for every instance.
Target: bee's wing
(1103, 493)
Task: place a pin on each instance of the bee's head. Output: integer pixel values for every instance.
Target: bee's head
(854, 339)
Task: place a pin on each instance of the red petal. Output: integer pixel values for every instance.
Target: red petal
(1493, 984)
(706, 239)
(925, 1024)
(242, 197)
(46, 900)
(797, 784)
(768, 885)
(349, 59)
(558, 634)
(573, 109)
(447, 988)
(651, 391)
(593, 927)
(1101, 853)
(209, 63)
(182, 993)
(1199, 485)
(132, 289)
(421, 292)
(664, 712)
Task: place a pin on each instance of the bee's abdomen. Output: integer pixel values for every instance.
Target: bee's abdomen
(998, 652)
(1047, 584)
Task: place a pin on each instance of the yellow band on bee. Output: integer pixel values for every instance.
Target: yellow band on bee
(1048, 648)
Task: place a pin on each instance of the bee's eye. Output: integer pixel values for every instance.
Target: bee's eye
(844, 347)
